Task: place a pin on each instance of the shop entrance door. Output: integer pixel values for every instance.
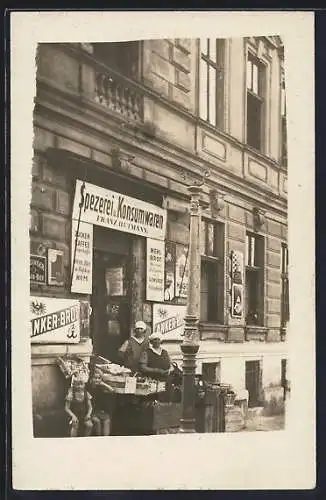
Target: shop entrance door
(110, 303)
(253, 382)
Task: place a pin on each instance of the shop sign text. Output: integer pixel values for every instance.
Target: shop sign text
(83, 267)
(168, 320)
(155, 270)
(54, 320)
(107, 208)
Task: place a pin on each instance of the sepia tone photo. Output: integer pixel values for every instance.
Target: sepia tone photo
(159, 292)
(162, 289)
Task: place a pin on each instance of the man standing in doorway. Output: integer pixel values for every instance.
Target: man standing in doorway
(132, 349)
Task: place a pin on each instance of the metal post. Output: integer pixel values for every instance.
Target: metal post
(190, 344)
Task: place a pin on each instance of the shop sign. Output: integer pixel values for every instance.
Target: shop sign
(168, 320)
(82, 275)
(102, 207)
(37, 269)
(155, 270)
(54, 321)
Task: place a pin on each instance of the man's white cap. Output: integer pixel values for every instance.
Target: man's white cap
(141, 325)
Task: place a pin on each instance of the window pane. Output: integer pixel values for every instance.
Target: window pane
(203, 90)
(253, 121)
(249, 74)
(212, 95)
(252, 252)
(210, 239)
(204, 46)
(212, 49)
(282, 102)
(255, 78)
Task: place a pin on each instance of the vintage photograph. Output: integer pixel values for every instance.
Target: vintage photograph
(159, 295)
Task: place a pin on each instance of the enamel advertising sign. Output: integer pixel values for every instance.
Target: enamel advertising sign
(54, 321)
(113, 210)
(168, 320)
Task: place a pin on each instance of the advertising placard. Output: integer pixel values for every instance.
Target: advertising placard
(113, 210)
(168, 320)
(82, 275)
(37, 269)
(181, 271)
(155, 270)
(237, 301)
(55, 267)
(54, 321)
(237, 266)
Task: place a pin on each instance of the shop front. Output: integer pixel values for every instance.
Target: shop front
(91, 281)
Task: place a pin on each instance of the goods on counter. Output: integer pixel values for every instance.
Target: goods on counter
(72, 366)
(119, 379)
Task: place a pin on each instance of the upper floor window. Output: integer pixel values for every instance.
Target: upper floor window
(255, 102)
(212, 272)
(283, 123)
(122, 57)
(284, 285)
(211, 81)
(254, 279)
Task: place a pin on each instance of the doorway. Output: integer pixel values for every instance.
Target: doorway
(253, 382)
(110, 303)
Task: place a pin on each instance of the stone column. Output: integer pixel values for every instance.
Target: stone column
(190, 344)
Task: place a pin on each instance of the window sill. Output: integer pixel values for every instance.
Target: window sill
(213, 331)
(255, 333)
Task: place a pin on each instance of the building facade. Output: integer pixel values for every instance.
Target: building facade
(120, 132)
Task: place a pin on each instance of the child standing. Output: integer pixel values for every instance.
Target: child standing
(101, 419)
(79, 407)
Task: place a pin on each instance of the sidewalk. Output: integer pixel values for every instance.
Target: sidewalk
(258, 422)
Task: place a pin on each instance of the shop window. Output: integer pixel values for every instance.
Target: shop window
(254, 279)
(284, 285)
(212, 272)
(211, 81)
(211, 372)
(255, 103)
(123, 57)
(283, 124)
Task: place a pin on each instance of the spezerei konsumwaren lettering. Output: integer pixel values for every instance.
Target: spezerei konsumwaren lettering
(118, 212)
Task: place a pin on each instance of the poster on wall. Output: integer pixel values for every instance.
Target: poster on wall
(168, 320)
(82, 269)
(114, 281)
(54, 321)
(237, 301)
(155, 270)
(55, 267)
(169, 278)
(112, 210)
(181, 271)
(237, 267)
(37, 269)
